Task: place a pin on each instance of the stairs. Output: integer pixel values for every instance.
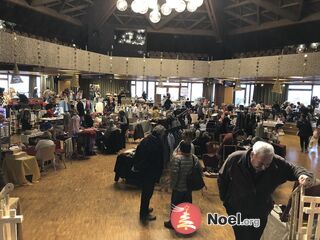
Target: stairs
(290, 128)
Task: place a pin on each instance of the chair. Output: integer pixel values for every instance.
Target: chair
(60, 152)
(46, 154)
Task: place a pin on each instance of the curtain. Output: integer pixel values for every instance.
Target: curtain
(107, 85)
(265, 94)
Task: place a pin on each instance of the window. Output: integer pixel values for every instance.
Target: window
(295, 96)
(22, 88)
(316, 91)
(239, 97)
(300, 87)
(174, 93)
(184, 92)
(197, 91)
(38, 85)
(151, 87)
(133, 91)
(139, 88)
(162, 91)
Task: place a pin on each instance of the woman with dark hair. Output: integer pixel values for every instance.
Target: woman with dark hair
(305, 132)
(124, 125)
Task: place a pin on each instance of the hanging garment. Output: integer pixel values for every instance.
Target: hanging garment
(99, 107)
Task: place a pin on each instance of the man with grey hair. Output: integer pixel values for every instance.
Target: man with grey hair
(148, 160)
(246, 181)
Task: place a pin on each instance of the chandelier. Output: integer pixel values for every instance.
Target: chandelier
(156, 9)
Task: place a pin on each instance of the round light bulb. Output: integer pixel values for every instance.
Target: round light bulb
(152, 4)
(181, 6)
(143, 9)
(165, 9)
(198, 3)
(191, 7)
(135, 6)
(172, 3)
(122, 5)
(155, 16)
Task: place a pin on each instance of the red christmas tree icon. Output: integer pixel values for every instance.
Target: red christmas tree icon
(185, 221)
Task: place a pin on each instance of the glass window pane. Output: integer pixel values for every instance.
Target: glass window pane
(295, 96)
(133, 91)
(162, 91)
(316, 91)
(22, 88)
(197, 91)
(184, 92)
(184, 84)
(239, 97)
(174, 93)
(38, 85)
(139, 88)
(4, 84)
(175, 84)
(145, 86)
(251, 95)
(300, 87)
(151, 86)
(247, 95)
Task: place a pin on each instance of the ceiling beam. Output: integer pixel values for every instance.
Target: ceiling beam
(73, 9)
(107, 9)
(42, 2)
(197, 22)
(211, 10)
(46, 11)
(235, 15)
(168, 30)
(118, 19)
(166, 20)
(236, 5)
(275, 24)
(272, 7)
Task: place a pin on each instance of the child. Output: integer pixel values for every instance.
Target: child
(313, 145)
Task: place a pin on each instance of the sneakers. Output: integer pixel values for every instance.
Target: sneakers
(168, 225)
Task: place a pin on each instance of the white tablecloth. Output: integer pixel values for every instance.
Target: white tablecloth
(271, 124)
(275, 229)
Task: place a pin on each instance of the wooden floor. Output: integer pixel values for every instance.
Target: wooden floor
(83, 202)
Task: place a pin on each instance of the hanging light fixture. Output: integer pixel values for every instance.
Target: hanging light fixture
(237, 86)
(16, 75)
(277, 88)
(142, 7)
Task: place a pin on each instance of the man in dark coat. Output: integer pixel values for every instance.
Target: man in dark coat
(148, 160)
(246, 181)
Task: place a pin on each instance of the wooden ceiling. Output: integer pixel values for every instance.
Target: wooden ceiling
(214, 18)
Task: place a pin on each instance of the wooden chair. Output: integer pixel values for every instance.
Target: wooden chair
(310, 206)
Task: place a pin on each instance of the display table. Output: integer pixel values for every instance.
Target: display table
(25, 138)
(18, 165)
(270, 124)
(52, 119)
(275, 229)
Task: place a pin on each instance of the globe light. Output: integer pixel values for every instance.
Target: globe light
(135, 6)
(122, 5)
(152, 4)
(144, 8)
(172, 3)
(198, 3)
(165, 9)
(155, 16)
(181, 6)
(191, 7)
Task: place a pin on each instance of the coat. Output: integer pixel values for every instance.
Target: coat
(305, 128)
(148, 159)
(241, 193)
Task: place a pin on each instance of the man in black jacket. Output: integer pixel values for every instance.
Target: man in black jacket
(148, 160)
(246, 181)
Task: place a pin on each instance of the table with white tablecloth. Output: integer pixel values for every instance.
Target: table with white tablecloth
(275, 229)
(25, 138)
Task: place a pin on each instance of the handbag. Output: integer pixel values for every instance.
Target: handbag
(194, 178)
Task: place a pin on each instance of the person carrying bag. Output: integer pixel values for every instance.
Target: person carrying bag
(186, 176)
